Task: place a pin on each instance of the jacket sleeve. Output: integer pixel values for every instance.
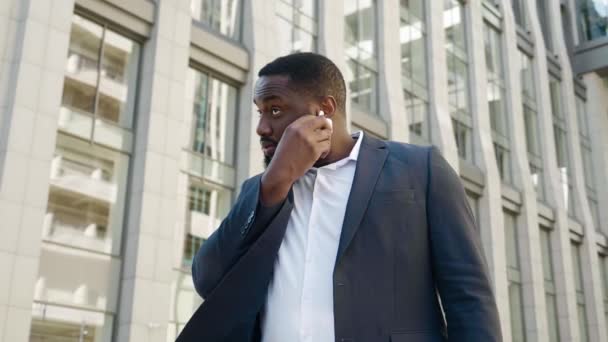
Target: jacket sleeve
(242, 226)
(459, 266)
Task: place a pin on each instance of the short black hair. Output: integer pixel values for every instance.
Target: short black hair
(310, 72)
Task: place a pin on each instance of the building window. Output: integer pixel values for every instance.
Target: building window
(222, 16)
(76, 291)
(412, 35)
(580, 291)
(496, 92)
(297, 23)
(593, 19)
(361, 55)
(458, 76)
(191, 245)
(530, 110)
(519, 11)
(560, 131)
(586, 151)
(515, 278)
(200, 200)
(550, 291)
(473, 202)
(604, 274)
(544, 17)
(214, 116)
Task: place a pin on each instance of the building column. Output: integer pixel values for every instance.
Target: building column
(528, 233)
(597, 111)
(490, 220)
(442, 131)
(33, 41)
(392, 104)
(560, 235)
(590, 267)
(147, 273)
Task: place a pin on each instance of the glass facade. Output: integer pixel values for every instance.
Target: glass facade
(210, 179)
(361, 56)
(519, 11)
(75, 296)
(544, 18)
(515, 278)
(222, 16)
(297, 21)
(560, 131)
(530, 110)
(604, 275)
(593, 19)
(580, 291)
(496, 93)
(550, 291)
(413, 39)
(587, 157)
(459, 89)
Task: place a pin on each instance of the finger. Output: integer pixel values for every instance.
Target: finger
(325, 147)
(321, 122)
(323, 134)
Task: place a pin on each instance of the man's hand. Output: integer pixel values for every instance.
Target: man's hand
(304, 141)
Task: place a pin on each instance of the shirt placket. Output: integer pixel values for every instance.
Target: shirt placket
(306, 331)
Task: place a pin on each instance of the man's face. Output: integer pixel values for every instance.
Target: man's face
(279, 104)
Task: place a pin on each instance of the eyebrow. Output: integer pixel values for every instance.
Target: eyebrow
(268, 98)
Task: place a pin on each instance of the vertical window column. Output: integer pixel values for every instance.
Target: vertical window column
(550, 291)
(530, 110)
(76, 292)
(297, 25)
(459, 88)
(577, 270)
(560, 131)
(360, 35)
(496, 93)
(414, 78)
(518, 329)
(586, 150)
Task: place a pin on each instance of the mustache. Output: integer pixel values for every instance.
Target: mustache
(268, 141)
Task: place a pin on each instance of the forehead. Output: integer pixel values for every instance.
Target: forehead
(272, 87)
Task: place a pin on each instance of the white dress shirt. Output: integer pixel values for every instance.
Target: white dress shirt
(300, 303)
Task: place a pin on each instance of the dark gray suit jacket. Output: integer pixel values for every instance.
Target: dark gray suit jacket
(408, 235)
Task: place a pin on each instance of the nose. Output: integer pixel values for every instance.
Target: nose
(264, 129)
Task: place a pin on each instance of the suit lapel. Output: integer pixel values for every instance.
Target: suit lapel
(370, 161)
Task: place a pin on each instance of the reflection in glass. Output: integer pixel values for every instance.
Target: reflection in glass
(580, 291)
(360, 37)
(550, 292)
(593, 19)
(297, 25)
(222, 16)
(496, 94)
(214, 114)
(458, 75)
(56, 323)
(86, 196)
(412, 35)
(514, 277)
(104, 90)
(76, 290)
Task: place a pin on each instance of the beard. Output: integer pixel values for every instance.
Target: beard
(267, 160)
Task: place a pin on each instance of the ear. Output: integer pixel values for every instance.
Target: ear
(329, 106)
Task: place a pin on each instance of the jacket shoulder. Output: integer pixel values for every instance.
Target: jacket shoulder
(409, 153)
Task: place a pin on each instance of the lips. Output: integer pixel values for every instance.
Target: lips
(269, 149)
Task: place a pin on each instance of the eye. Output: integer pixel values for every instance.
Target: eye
(275, 111)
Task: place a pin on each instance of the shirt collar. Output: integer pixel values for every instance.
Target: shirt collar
(354, 154)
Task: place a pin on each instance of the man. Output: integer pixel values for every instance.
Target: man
(341, 238)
